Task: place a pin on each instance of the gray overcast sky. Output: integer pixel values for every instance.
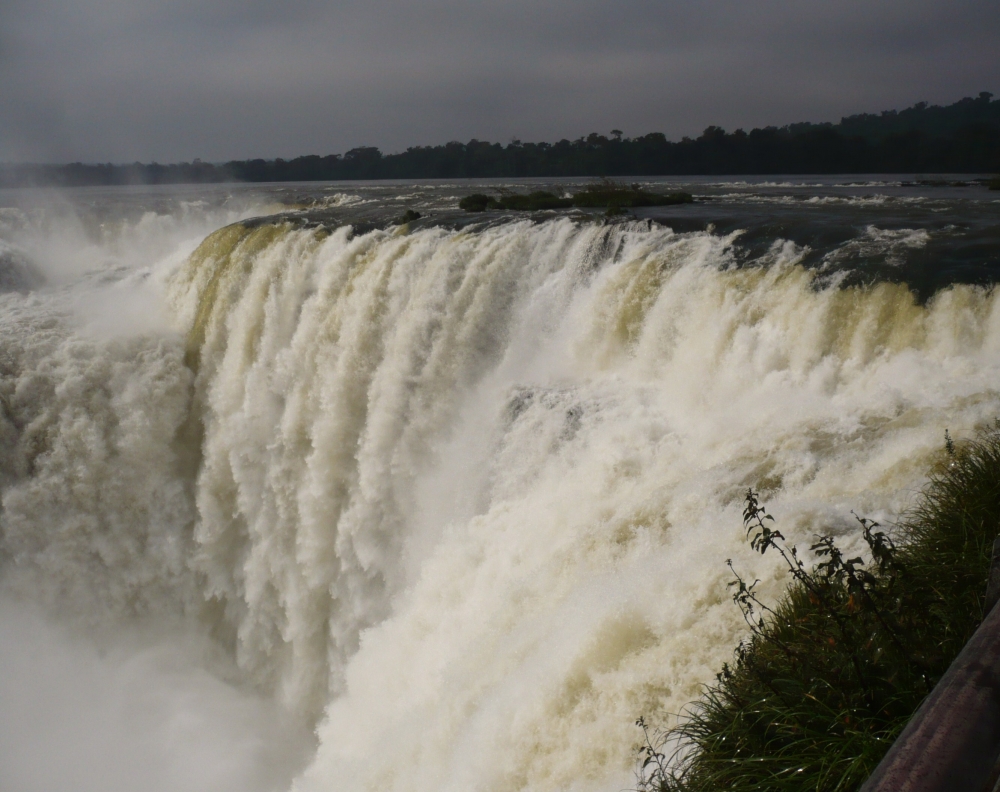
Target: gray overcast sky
(170, 80)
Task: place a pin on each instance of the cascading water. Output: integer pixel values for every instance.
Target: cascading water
(462, 498)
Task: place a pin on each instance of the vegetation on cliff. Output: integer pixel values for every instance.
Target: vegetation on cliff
(830, 675)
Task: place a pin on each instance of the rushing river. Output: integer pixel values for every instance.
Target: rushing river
(297, 497)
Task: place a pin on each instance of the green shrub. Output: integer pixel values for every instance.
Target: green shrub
(831, 674)
(607, 192)
(477, 202)
(533, 202)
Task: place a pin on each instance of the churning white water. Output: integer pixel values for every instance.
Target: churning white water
(461, 500)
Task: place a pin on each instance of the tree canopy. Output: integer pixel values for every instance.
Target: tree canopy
(963, 137)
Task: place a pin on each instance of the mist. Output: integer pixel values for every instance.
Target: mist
(143, 710)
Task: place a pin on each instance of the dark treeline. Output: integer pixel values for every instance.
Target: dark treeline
(960, 138)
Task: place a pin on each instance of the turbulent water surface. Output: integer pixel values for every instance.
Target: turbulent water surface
(295, 496)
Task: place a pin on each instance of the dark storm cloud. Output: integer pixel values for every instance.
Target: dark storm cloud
(119, 80)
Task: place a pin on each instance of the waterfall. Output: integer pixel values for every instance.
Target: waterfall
(462, 499)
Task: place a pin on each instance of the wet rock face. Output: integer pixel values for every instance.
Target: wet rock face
(17, 273)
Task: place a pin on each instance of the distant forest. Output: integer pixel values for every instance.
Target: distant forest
(960, 138)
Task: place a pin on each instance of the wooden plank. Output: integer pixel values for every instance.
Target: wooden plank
(952, 743)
